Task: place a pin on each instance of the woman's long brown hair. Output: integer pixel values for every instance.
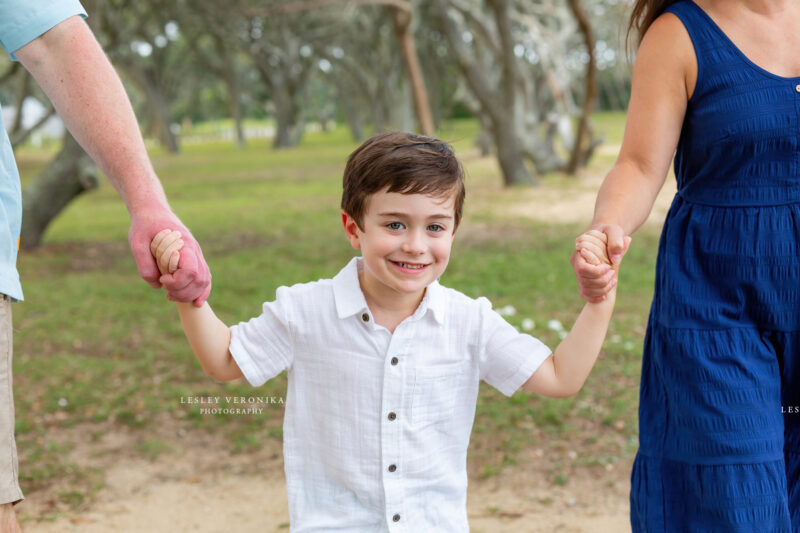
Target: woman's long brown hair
(643, 14)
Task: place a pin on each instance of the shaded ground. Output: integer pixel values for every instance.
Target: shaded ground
(200, 486)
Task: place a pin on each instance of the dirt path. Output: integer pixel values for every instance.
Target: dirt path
(201, 487)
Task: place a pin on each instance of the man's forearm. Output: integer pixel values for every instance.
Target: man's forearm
(76, 75)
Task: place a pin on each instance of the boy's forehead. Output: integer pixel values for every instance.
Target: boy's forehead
(383, 202)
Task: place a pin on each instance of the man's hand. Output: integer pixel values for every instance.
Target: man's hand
(191, 282)
(596, 280)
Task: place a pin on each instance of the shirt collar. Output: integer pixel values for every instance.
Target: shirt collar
(350, 300)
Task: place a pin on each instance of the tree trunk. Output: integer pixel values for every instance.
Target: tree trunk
(509, 156)
(160, 107)
(235, 106)
(405, 40)
(578, 155)
(289, 123)
(232, 85)
(67, 176)
(23, 91)
(498, 100)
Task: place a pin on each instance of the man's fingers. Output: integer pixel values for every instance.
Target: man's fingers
(186, 293)
(178, 280)
(185, 284)
(198, 302)
(146, 265)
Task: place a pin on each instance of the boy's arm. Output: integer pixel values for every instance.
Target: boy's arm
(210, 340)
(564, 373)
(208, 336)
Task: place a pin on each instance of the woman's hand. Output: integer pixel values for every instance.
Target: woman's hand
(596, 265)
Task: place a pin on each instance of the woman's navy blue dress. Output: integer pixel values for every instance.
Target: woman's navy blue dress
(719, 414)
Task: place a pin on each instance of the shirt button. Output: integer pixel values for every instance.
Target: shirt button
(392, 416)
(365, 317)
(392, 468)
(394, 360)
(797, 87)
(396, 518)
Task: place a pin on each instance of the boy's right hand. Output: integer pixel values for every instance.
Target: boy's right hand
(164, 247)
(592, 246)
(596, 273)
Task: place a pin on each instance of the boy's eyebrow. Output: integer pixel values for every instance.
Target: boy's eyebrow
(393, 214)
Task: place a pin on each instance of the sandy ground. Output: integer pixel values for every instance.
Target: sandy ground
(555, 205)
(199, 486)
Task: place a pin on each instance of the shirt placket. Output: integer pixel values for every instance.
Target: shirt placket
(394, 389)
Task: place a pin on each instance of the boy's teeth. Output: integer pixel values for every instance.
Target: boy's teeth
(406, 265)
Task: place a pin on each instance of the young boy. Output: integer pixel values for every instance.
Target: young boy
(383, 362)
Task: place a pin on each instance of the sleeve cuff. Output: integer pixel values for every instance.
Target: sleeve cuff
(524, 372)
(46, 22)
(246, 364)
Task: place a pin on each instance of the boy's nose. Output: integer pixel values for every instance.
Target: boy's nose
(414, 243)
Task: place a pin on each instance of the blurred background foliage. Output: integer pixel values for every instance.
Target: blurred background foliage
(530, 72)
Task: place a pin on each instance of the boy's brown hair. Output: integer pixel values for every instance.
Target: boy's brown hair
(406, 163)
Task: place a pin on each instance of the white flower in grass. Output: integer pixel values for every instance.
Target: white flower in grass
(507, 310)
(555, 325)
(62, 402)
(616, 337)
(528, 324)
(562, 334)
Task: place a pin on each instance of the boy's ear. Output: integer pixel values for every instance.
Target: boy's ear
(351, 230)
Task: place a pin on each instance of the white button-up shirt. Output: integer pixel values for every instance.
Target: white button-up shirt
(377, 425)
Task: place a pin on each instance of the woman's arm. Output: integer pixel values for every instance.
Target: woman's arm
(664, 76)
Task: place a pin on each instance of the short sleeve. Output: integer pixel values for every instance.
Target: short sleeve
(262, 346)
(22, 21)
(507, 357)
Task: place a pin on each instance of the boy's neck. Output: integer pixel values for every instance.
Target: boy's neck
(387, 304)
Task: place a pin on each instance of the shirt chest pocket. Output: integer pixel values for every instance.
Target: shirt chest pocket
(436, 393)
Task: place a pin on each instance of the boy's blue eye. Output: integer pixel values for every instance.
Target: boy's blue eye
(435, 227)
(394, 225)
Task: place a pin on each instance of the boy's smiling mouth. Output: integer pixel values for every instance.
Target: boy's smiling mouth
(406, 266)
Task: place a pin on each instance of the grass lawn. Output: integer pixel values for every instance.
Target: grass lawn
(95, 348)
